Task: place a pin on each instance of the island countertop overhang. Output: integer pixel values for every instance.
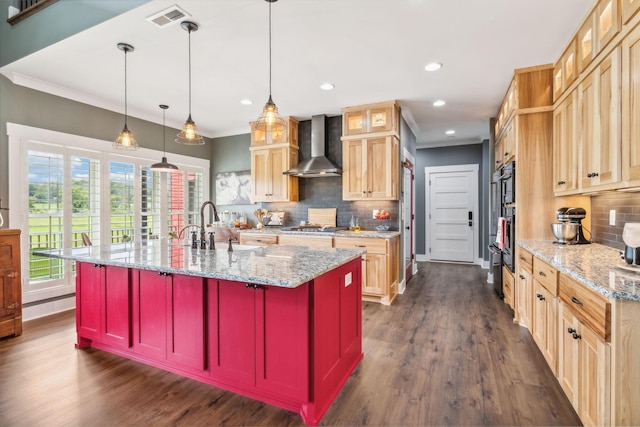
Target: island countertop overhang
(283, 266)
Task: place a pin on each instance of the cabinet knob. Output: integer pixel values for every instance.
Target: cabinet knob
(98, 265)
(571, 330)
(163, 273)
(540, 297)
(562, 182)
(589, 175)
(576, 336)
(521, 277)
(506, 154)
(541, 273)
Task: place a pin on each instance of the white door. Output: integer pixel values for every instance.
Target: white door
(452, 201)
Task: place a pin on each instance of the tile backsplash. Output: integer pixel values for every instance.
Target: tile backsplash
(627, 207)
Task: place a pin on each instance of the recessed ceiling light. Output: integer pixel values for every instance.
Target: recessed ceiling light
(327, 86)
(246, 102)
(433, 66)
(450, 132)
(438, 103)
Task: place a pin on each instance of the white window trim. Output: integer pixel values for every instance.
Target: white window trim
(21, 138)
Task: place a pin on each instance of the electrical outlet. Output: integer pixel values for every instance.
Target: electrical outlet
(612, 217)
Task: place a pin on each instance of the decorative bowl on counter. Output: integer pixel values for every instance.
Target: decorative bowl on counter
(382, 227)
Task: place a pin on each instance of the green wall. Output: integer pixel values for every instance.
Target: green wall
(38, 109)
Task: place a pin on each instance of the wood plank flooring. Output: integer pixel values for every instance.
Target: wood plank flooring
(445, 353)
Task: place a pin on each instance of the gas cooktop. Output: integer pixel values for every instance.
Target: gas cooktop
(313, 229)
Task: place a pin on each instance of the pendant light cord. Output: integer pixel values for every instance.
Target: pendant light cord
(189, 72)
(164, 128)
(269, 49)
(125, 88)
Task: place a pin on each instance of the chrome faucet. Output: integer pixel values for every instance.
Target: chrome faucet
(203, 243)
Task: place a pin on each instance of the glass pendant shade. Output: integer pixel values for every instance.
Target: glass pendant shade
(270, 120)
(189, 134)
(125, 141)
(164, 165)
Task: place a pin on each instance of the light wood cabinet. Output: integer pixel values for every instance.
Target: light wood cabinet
(587, 48)
(371, 119)
(545, 323)
(10, 284)
(508, 287)
(599, 95)
(565, 169)
(499, 150)
(258, 239)
(607, 22)
(584, 355)
(306, 240)
(631, 107)
(289, 135)
(267, 167)
(370, 168)
(628, 9)
(524, 289)
(379, 266)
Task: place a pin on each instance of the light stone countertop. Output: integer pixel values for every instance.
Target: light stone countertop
(284, 266)
(594, 265)
(341, 233)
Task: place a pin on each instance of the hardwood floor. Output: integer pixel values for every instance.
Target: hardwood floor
(445, 353)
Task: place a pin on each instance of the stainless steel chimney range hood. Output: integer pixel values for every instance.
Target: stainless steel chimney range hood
(318, 165)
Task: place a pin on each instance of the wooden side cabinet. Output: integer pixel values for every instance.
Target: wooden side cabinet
(10, 284)
(380, 118)
(370, 168)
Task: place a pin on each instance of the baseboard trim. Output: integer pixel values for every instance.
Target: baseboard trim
(47, 308)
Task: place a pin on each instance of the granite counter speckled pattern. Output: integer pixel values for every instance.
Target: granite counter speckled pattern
(341, 233)
(593, 265)
(284, 266)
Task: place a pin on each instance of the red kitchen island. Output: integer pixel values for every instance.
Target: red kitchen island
(282, 325)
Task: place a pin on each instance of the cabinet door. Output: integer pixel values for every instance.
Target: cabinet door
(149, 314)
(607, 22)
(523, 297)
(545, 324)
(354, 169)
(355, 122)
(232, 329)
(260, 175)
(587, 48)
(594, 379)
(282, 337)
(382, 174)
(631, 106)
(278, 163)
(116, 305)
(374, 274)
(509, 148)
(564, 146)
(381, 119)
(89, 279)
(600, 122)
(498, 152)
(185, 330)
(629, 9)
(568, 354)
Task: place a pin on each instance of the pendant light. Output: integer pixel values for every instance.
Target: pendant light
(164, 166)
(189, 134)
(269, 120)
(125, 140)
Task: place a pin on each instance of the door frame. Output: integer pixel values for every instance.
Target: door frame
(474, 167)
(408, 157)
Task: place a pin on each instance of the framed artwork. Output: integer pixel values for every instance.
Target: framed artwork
(233, 188)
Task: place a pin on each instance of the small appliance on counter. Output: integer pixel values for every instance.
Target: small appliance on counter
(569, 230)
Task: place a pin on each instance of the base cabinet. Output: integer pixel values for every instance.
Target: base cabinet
(583, 371)
(10, 288)
(290, 347)
(545, 323)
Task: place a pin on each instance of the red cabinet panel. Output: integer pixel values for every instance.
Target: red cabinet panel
(117, 313)
(232, 328)
(89, 280)
(282, 334)
(149, 314)
(185, 305)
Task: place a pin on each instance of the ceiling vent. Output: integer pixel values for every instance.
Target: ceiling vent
(168, 16)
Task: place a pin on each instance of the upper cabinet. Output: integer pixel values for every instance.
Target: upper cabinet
(629, 9)
(371, 119)
(596, 111)
(370, 152)
(271, 155)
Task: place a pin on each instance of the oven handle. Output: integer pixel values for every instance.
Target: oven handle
(494, 250)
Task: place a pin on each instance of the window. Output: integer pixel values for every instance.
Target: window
(73, 185)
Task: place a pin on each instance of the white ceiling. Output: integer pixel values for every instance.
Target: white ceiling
(371, 50)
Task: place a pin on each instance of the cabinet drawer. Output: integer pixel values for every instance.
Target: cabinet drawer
(546, 275)
(371, 245)
(507, 286)
(591, 308)
(310, 241)
(525, 258)
(258, 239)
